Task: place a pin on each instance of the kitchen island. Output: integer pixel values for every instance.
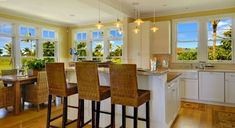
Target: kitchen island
(164, 100)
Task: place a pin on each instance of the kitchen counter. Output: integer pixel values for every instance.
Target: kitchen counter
(202, 70)
(172, 75)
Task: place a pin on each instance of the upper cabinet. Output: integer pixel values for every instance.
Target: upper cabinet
(139, 45)
(161, 43)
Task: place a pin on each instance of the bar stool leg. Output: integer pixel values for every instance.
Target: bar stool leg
(113, 116)
(123, 116)
(64, 120)
(135, 117)
(49, 111)
(97, 114)
(93, 113)
(79, 114)
(82, 112)
(147, 115)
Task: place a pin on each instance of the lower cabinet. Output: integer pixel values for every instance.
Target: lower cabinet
(189, 89)
(230, 88)
(172, 100)
(211, 86)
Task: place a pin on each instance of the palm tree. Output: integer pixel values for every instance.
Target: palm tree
(214, 27)
(8, 47)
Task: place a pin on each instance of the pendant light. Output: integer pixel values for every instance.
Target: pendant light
(118, 23)
(138, 20)
(154, 28)
(99, 25)
(136, 30)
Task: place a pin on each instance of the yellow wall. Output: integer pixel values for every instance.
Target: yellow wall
(62, 31)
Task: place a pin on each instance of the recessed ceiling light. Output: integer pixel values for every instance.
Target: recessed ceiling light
(71, 15)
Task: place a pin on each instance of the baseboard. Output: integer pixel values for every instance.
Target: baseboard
(209, 102)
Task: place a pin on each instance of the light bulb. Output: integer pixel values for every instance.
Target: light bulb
(99, 25)
(136, 30)
(118, 24)
(139, 21)
(154, 28)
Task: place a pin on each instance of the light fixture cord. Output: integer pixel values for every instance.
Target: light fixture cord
(99, 8)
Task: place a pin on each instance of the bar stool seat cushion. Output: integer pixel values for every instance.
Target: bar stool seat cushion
(72, 88)
(104, 92)
(143, 97)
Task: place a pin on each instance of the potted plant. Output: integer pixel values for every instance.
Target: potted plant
(36, 65)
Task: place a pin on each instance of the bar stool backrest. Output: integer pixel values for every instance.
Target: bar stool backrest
(88, 80)
(56, 79)
(123, 82)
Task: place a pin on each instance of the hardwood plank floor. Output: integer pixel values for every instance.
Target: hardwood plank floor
(191, 115)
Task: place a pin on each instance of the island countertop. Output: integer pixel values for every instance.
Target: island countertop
(139, 71)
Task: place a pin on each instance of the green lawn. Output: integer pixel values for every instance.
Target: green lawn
(5, 63)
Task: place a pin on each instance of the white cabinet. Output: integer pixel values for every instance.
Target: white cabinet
(211, 86)
(190, 90)
(161, 43)
(230, 88)
(172, 100)
(189, 86)
(139, 45)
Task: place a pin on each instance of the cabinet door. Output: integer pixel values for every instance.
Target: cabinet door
(162, 38)
(190, 89)
(211, 85)
(230, 91)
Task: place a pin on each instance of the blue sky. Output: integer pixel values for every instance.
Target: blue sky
(188, 33)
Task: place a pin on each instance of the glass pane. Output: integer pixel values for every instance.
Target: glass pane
(49, 48)
(47, 59)
(81, 49)
(28, 47)
(5, 46)
(220, 50)
(52, 35)
(115, 34)
(187, 50)
(6, 29)
(32, 32)
(97, 48)
(219, 24)
(45, 34)
(27, 31)
(190, 36)
(98, 35)
(187, 27)
(116, 47)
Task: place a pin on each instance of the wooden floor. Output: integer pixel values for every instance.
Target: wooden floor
(191, 115)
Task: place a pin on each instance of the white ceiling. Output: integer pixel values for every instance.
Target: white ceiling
(78, 12)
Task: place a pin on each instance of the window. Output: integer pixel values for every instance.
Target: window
(97, 45)
(187, 40)
(49, 45)
(81, 45)
(115, 45)
(27, 49)
(5, 46)
(219, 39)
(27, 31)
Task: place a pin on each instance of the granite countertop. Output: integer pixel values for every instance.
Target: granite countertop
(172, 75)
(139, 72)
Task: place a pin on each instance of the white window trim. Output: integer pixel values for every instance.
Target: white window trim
(202, 46)
(89, 41)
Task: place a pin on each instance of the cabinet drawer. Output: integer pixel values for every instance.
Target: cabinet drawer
(190, 75)
(230, 76)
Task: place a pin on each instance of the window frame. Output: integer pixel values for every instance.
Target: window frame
(203, 38)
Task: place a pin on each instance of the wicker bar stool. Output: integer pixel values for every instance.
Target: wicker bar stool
(58, 87)
(125, 92)
(90, 89)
